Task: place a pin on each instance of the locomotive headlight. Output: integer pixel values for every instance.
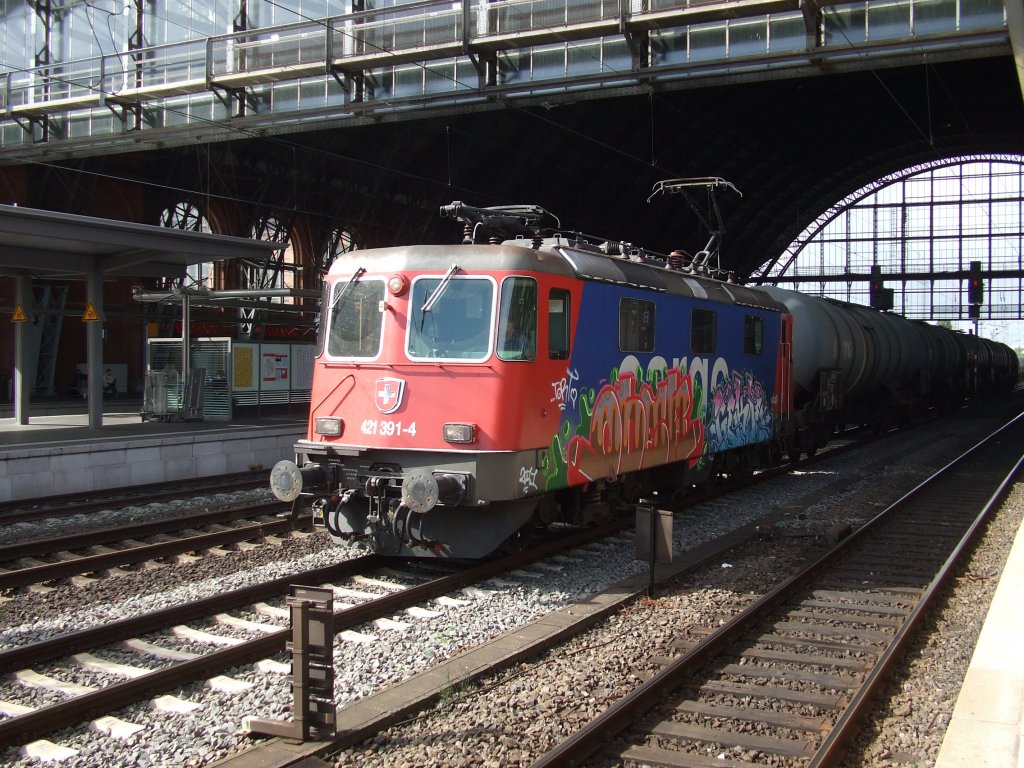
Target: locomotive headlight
(329, 426)
(460, 433)
(397, 284)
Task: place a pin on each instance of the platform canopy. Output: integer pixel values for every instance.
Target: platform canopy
(51, 244)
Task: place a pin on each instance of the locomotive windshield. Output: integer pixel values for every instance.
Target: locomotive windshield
(453, 323)
(356, 319)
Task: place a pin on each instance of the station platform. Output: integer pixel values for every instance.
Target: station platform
(57, 452)
(987, 726)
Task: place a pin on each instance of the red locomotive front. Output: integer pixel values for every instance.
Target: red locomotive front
(430, 401)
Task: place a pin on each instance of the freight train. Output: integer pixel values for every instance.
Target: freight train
(465, 395)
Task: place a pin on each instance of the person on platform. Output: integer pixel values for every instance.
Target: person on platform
(109, 383)
(79, 385)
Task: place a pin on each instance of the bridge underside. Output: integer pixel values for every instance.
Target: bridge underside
(792, 147)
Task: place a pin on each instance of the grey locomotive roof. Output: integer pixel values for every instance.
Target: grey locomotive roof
(555, 256)
(440, 257)
(625, 271)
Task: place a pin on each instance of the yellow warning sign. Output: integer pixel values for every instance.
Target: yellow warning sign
(19, 314)
(90, 313)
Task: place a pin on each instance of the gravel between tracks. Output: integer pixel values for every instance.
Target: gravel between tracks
(512, 718)
(509, 720)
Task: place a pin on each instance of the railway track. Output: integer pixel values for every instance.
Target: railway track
(786, 679)
(66, 505)
(102, 551)
(175, 670)
(51, 559)
(364, 719)
(205, 668)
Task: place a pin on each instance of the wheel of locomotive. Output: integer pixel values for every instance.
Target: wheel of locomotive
(519, 541)
(746, 462)
(626, 493)
(676, 496)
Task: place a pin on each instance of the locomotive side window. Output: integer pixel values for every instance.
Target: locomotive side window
(753, 335)
(517, 319)
(450, 318)
(636, 325)
(703, 332)
(558, 324)
(356, 319)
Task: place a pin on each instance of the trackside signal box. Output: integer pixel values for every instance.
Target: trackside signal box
(312, 647)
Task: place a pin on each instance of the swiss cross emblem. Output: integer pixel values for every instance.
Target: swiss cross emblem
(387, 394)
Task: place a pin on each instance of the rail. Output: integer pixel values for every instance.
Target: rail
(625, 712)
(22, 728)
(265, 525)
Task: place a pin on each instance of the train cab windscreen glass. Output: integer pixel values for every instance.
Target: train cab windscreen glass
(517, 321)
(321, 325)
(450, 321)
(356, 319)
(753, 335)
(703, 339)
(636, 325)
(558, 324)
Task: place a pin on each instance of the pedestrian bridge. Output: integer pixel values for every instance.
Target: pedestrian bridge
(408, 59)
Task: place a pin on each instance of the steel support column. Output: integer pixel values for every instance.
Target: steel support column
(94, 348)
(22, 376)
(1015, 26)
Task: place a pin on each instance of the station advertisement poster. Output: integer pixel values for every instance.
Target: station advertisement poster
(275, 366)
(272, 367)
(242, 367)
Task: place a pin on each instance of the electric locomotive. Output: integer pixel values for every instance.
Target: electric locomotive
(463, 395)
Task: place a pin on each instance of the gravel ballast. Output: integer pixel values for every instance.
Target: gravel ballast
(512, 718)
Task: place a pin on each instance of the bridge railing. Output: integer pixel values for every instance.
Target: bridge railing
(65, 85)
(117, 78)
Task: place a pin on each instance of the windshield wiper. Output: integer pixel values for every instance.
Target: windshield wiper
(351, 281)
(432, 299)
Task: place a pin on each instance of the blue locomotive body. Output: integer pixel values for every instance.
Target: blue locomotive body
(666, 369)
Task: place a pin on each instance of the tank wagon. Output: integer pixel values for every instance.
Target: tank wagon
(464, 395)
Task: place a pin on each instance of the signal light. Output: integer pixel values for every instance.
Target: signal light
(976, 292)
(975, 285)
(881, 298)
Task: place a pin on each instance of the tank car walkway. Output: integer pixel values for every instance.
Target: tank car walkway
(58, 453)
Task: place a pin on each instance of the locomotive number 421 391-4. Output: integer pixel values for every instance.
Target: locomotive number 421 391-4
(387, 428)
